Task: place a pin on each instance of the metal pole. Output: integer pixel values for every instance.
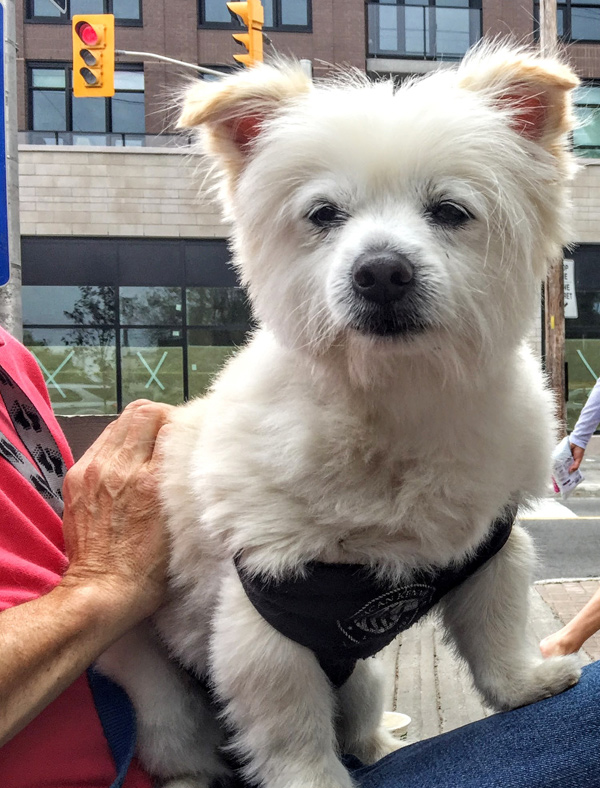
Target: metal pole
(554, 298)
(11, 313)
(201, 69)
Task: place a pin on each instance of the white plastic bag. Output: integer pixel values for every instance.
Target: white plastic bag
(562, 459)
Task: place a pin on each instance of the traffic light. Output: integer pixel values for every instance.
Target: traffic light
(252, 15)
(93, 55)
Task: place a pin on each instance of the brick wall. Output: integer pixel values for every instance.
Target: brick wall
(123, 192)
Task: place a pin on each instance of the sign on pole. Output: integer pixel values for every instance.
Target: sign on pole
(569, 289)
(4, 258)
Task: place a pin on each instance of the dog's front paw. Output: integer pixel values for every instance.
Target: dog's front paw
(543, 679)
(376, 746)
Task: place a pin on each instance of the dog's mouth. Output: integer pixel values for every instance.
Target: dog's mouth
(387, 321)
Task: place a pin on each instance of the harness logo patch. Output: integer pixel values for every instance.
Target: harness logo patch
(388, 614)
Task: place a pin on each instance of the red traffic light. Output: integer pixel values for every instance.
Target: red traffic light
(87, 33)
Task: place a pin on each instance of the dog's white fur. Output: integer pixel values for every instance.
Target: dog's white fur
(322, 441)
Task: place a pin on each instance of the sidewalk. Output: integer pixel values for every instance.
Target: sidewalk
(428, 683)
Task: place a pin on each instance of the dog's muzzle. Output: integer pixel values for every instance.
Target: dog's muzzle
(382, 278)
(386, 299)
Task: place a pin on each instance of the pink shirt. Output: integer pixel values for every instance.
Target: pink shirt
(64, 746)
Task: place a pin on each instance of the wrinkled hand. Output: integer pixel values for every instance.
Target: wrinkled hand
(115, 535)
(577, 453)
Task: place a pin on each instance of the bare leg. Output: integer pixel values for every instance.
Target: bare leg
(573, 635)
(178, 735)
(487, 618)
(278, 700)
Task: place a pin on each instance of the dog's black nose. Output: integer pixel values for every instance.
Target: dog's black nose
(382, 277)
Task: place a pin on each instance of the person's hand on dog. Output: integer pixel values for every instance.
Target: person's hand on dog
(115, 535)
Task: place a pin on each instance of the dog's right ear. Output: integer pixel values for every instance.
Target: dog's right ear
(234, 109)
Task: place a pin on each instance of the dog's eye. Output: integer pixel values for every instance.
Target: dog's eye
(449, 214)
(326, 215)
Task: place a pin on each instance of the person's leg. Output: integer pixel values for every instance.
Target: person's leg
(550, 744)
(573, 635)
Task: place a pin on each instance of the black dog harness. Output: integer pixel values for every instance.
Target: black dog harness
(344, 612)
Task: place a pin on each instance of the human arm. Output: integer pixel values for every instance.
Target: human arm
(588, 420)
(573, 635)
(117, 547)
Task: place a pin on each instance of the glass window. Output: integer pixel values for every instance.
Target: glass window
(586, 137)
(125, 11)
(585, 24)
(128, 113)
(577, 20)
(388, 28)
(152, 364)
(217, 306)
(129, 80)
(268, 6)
(278, 13)
(150, 306)
(45, 8)
(294, 12)
(49, 110)
(452, 31)
(78, 365)
(89, 114)
(68, 304)
(436, 29)
(86, 7)
(55, 109)
(583, 363)
(216, 11)
(416, 21)
(208, 350)
(48, 78)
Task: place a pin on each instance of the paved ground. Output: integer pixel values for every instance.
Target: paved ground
(426, 682)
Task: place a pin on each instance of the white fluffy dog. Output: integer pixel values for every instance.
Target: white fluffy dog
(386, 415)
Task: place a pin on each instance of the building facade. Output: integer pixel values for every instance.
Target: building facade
(127, 287)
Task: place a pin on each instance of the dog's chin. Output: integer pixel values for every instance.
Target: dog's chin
(387, 325)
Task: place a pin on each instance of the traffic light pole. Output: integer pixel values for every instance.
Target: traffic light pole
(201, 69)
(11, 314)
(554, 298)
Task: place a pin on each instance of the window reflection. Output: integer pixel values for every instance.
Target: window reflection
(78, 365)
(147, 306)
(85, 305)
(152, 364)
(97, 358)
(208, 351)
(217, 306)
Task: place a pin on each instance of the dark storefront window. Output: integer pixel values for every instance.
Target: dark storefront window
(582, 333)
(291, 15)
(126, 12)
(61, 118)
(102, 345)
(423, 29)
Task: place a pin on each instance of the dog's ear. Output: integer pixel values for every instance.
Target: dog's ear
(233, 110)
(533, 91)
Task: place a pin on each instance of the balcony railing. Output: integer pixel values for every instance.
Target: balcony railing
(422, 32)
(103, 139)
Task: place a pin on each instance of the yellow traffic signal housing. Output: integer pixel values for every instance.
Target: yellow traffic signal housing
(252, 15)
(93, 55)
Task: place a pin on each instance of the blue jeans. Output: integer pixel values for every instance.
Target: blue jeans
(551, 744)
